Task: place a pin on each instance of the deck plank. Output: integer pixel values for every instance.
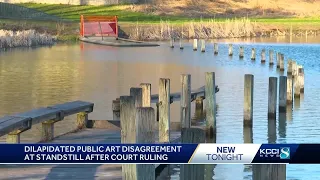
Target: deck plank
(40, 114)
(10, 123)
(74, 107)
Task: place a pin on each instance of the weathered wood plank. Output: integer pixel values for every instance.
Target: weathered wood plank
(47, 132)
(283, 94)
(128, 130)
(272, 97)
(136, 93)
(144, 134)
(210, 105)
(127, 119)
(74, 107)
(185, 102)
(200, 92)
(164, 110)
(146, 93)
(12, 123)
(248, 100)
(116, 109)
(42, 114)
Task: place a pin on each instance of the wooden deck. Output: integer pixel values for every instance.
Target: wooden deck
(59, 172)
(107, 41)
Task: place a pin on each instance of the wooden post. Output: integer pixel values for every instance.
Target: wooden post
(215, 47)
(13, 138)
(128, 134)
(230, 50)
(241, 52)
(210, 97)
(127, 119)
(253, 54)
(82, 120)
(136, 93)
(181, 46)
(278, 60)
(296, 83)
(289, 67)
(199, 107)
(195, 44)
(289, 90)
(116, 109)
(185, 101)
(270, 57)
(164, 110)
(263, 55)
(281, 62)
(269, 171)
(203, 45)
(171, 43)
(145, 119)
(272, 98)
(248, 100)
(294, 69)
(192, 171)
(283, 94)
(146, 94)
(47, 133)
(301, 75)
(144, 134)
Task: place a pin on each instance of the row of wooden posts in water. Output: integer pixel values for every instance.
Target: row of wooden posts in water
(136, 111)
(137, 119)
(295, 71)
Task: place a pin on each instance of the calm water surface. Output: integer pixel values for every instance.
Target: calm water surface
(31, 78)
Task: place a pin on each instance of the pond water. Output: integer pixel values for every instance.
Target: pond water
(31, 78)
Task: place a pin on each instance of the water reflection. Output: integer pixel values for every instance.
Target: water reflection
(272, 133)
(289, 112)
(44, 76)
(296, 102)
(282, 125)
(247, 134)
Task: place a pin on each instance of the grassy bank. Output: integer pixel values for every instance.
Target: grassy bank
(134, 13)
(152, 22)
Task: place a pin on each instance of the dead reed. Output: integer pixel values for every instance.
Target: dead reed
(209, 29)
(25, 38)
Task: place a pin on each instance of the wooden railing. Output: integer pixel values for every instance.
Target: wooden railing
(14, 125)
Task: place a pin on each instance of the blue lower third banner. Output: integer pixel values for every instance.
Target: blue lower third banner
(159, 153)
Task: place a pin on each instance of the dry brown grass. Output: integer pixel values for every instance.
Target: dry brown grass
(26, 38)
(232, 8)
(208, 29)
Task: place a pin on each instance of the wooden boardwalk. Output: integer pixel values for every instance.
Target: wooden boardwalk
(85, 172)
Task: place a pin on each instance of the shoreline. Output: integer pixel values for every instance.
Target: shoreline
(162, 31)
